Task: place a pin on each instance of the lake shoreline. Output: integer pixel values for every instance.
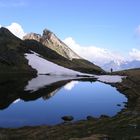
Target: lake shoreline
(125, 125)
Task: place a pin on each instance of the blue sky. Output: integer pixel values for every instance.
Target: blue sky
(109, 24)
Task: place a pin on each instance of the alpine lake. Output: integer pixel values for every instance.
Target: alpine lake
(46, 99)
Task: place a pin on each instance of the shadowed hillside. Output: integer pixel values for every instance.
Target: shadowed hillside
(12, 51)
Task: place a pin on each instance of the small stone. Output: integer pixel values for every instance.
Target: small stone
(118, 104)
(67, 118)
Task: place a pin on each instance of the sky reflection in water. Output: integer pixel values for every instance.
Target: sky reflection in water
(78, 99)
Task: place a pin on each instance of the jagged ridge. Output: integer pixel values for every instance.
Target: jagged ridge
(50, 40)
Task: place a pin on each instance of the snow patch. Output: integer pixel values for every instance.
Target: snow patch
(44, 66)
(58, 73)
(43, 80)
(110, 78)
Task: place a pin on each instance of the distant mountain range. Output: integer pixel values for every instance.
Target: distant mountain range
(116, 65)
(48, 46)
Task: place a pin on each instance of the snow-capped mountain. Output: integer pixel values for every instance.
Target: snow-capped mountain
(131, 64)
(121, 65)
(115, 65)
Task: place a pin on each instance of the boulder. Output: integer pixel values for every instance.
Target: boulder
(67, 118)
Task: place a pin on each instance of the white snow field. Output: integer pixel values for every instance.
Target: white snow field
(58, 73)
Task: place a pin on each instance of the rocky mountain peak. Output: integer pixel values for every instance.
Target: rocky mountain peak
(33, 36)
(47, 33)
(50, 40)
(50, 37)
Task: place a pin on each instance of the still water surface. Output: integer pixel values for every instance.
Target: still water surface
(77, 98)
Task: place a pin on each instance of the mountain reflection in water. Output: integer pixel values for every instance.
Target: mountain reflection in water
(61, 96)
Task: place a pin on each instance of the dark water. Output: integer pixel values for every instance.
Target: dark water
(46, 104)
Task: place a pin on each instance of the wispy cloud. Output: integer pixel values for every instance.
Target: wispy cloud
(16, 29)
(12, 3)
(93, 53)
(101, 56)
(70, 85)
